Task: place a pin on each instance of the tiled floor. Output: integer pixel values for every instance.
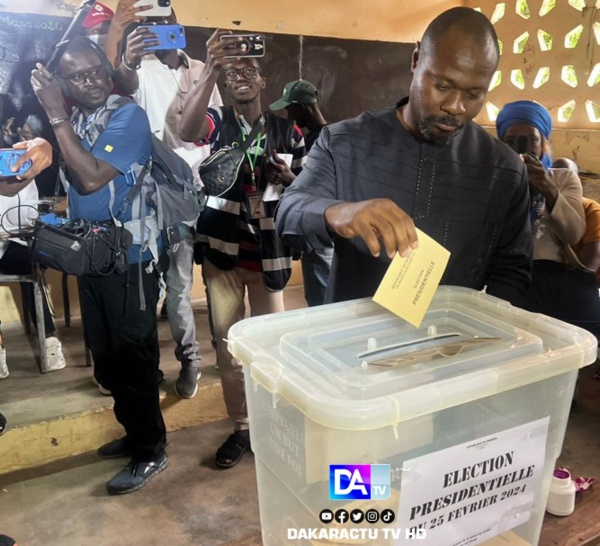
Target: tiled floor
(191, 502)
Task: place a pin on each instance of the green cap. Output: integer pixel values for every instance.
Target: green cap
(299, 91)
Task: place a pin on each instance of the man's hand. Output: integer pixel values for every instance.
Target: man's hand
(217, 51)
(139, 43)
(277, 170)
(373, 220)
(40, 153)
(125, 13)
(48, 91)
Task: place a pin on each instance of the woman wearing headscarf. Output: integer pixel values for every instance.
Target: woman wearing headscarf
(561, 286)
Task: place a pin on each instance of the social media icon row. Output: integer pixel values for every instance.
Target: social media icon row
(357, 516)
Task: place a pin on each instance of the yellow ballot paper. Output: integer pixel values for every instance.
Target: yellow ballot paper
(409, 284)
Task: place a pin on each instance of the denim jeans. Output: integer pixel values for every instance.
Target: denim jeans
(316, 266)
(179, 279)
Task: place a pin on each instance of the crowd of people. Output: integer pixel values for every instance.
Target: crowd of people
(343, 197)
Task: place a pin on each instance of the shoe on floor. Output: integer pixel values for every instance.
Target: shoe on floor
(56, 360)
(115, 449)
(233, 449)
(3, 365)
(186, 385)
(135, 475)
(101, 389)
(3, 424)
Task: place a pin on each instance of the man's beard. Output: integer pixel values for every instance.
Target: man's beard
(442, 120)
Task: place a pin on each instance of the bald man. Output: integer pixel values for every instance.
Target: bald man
(373, 179)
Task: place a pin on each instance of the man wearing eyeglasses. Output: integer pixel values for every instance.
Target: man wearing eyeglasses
(103, 150)
(242, 251)
(160, 81)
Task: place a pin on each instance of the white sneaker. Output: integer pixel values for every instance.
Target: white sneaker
(3, 366)
(56, 360)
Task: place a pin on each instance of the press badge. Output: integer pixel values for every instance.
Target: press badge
(255, 205)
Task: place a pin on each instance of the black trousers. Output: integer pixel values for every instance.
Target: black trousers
(124, 343)
(16, 260)
(565, 293)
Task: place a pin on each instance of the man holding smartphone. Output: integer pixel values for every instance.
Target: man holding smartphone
(160, 81)
(242, 251)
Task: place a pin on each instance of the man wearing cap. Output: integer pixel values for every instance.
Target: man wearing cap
(160, 81)
(97, 22)
(300, 100)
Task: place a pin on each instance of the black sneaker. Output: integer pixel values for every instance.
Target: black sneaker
(186, 385)
(115, 449)
(135, 475)
(3, 424)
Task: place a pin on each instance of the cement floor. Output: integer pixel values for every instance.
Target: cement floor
(191, 503)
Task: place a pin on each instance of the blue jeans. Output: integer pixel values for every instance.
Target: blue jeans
(316, 266)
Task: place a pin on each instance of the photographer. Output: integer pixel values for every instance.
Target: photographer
(242, 251)
(159, 81)
(105, 143)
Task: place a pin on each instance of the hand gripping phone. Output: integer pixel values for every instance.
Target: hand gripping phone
(170, 36)
(245, 45)
(161, 8)
(8, 157)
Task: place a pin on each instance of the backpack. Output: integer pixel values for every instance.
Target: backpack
(165, 182)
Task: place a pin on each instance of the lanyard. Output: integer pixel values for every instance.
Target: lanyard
(251, 160)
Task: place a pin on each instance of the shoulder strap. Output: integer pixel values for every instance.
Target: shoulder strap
(135, 189)
(258, 127)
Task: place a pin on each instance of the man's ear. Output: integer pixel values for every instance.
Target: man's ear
(263, 85)
(415, 56)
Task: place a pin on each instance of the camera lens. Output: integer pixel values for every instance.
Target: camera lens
(172, 37)
(164, 3)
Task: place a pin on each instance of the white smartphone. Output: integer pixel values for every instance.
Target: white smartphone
(160, 8)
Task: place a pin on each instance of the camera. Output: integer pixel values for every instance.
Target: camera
(244, 45)
(169, 36)
(8, 157)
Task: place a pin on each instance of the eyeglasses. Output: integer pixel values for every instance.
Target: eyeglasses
(249, 73)
(95, 73)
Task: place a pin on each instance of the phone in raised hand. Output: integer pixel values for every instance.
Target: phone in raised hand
(8, 157)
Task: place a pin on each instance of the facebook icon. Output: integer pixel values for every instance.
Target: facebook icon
(359, 482)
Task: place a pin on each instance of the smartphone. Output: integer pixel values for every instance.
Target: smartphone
(160, 8)
(8, 157)
(170, 36)
(245, 45)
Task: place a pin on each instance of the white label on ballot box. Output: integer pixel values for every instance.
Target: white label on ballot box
(469, 493)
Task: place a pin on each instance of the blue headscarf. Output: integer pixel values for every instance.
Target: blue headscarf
(530, 113)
